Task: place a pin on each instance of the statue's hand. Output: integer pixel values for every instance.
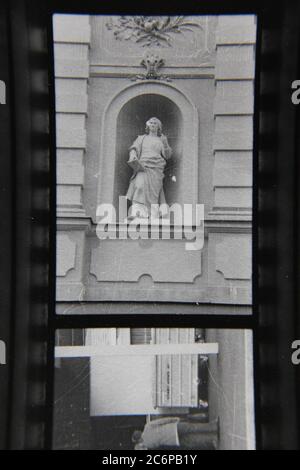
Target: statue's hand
(164, 140)
(132, 156)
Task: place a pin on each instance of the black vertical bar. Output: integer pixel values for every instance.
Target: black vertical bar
(297, 239)
(22, 151)
(286, 307)
(255, 283)
(30, 141)
(276, 255)
(6, 234)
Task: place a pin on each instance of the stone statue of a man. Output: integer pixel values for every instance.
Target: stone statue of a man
(148, 156)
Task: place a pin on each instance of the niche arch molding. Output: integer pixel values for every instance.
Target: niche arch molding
(189, 147)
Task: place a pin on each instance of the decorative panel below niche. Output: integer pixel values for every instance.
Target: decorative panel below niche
(129, 260)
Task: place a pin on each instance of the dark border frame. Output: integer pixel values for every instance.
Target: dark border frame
(29, 316)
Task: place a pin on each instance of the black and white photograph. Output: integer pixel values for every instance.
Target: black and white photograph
(154, 388)
(149, 246)
(154, 145)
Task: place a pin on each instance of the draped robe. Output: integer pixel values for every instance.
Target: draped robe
(146, 187)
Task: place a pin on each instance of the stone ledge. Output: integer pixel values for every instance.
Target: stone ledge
(150, 308)
(118, 292)
(75, 219)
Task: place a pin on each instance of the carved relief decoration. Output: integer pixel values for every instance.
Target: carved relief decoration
(152, 63)
(150, 30)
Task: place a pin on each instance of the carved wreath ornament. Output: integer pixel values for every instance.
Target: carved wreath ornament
(150, 30)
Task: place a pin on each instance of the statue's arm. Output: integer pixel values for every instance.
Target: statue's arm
(167, 151)
(134, 149)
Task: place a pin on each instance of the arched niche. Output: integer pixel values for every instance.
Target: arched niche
(165, 98)
(131, 123)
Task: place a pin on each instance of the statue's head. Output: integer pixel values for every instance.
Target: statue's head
(154, 123)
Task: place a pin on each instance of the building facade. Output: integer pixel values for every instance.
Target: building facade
(196, 74)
